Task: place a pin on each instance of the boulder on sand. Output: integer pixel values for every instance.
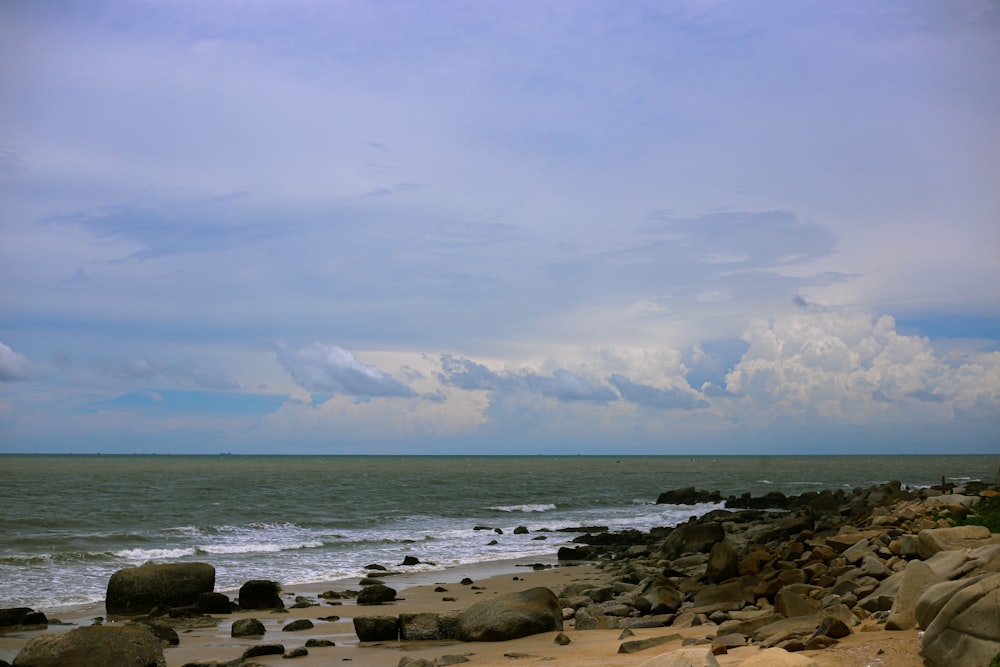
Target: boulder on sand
(261, 594)
(511, 616)
(137, 590)
(966, 630)
(94, 646)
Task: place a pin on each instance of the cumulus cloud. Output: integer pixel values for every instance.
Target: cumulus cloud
(322, 367)
(14, 366)
(654, 397)
(562, 385)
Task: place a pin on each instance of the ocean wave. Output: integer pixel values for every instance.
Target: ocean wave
(539, 507)
(154, 554)
(220, 549)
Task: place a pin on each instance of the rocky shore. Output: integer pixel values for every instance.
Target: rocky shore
(875, 576)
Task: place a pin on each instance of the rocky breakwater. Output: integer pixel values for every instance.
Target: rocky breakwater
(799, 573)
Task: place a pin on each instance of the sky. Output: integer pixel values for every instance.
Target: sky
(557, 226)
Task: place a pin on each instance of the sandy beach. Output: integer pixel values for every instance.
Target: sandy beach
(420, 592)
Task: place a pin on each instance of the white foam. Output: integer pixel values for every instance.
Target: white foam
(153, 554)
(524, 508)
(255, 547)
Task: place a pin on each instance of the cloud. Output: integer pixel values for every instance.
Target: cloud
(14, 366)
(322, 367)
(562, 385)
(144, 372)
(654, 397)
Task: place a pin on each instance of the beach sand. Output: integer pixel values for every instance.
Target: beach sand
(416, 593)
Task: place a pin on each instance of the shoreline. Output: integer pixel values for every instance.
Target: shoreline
(830, 556)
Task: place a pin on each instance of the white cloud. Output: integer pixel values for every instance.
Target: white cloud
(14, 366)
(322, 367)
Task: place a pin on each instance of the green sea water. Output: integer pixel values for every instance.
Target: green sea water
(69, 522)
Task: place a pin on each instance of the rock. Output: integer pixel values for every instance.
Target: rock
(300, 652)
(521, 530)
(771, 634)
(263, 649)
(561, 639)
(692, 538)
(637, 645)
(261, 594)
(420, 626)
(684, 657)
(728, 641)
(949, 539)
(319, 643)
(247, 627)
(410, 560)
(137, 590)
(966, 631)
(663, 598)
(917, 578)
(166, 634)
(298, 625)
(833, 628)
(452, 659)
(376, 594)
(778, 657)
(790, 604)
(376, 628)
(723, 563)
(12, 616)
(94, 646)
(511, 616)
(214, 603)
(688, 496)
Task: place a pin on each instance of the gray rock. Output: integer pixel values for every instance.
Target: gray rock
(511, 616)
(799, 626)
(637, 645)
(94, 646)
(934, 540)
(263, 649)
(420, 626)
(917, 578)
(790, 604)
(692, 537)
(966, 631)
(137, 590)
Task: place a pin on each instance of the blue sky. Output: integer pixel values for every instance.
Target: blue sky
(527, 227)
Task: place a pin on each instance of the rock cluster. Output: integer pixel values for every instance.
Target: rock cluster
(800, 578)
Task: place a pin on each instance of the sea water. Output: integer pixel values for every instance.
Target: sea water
(68, 522)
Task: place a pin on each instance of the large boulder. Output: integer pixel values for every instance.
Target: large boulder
(94, 646)
(692, 538)
(511, 616)
(137, 590)
(261, 594)
(917, 578)
(966, 630)
(376, 594)
(933, 540)
(376, 628)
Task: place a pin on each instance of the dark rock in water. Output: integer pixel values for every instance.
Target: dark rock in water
(688, 496)
(376, 628)
(247, 627)
(261, 594)
(521, 530)
(298, 625)
(263, 649)
(511, 616)
(94, 646)
(376, 594)
(376, 566)
(137, 590)
(410, 560)
(214, 603)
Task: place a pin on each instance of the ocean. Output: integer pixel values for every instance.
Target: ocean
(69, 521)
